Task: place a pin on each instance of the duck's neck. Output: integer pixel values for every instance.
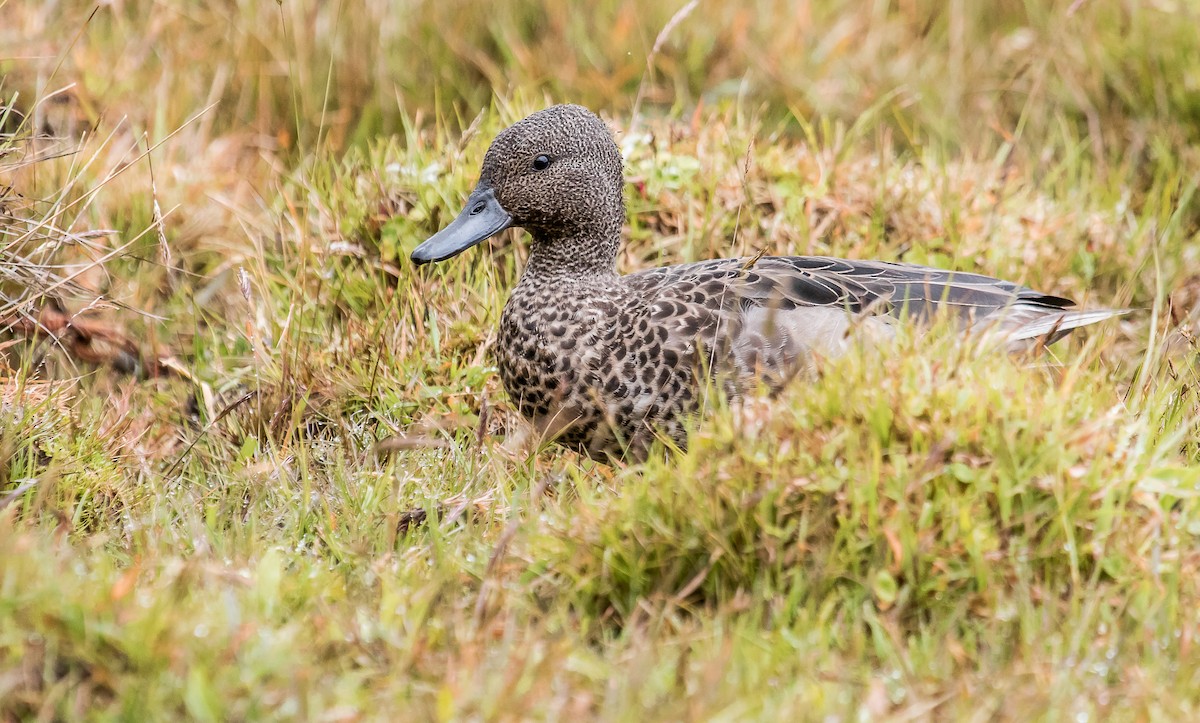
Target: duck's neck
(586, 253)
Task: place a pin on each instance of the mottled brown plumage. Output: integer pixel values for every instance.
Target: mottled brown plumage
(605, 362)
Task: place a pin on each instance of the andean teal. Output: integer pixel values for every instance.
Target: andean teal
(605, 362)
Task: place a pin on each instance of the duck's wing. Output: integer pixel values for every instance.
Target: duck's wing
(855, 286)
(787, 305)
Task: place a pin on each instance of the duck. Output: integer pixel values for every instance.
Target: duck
(608, 364)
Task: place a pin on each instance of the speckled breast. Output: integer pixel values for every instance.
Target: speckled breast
(595, 376)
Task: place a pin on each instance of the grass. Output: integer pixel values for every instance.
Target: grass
(221, 197)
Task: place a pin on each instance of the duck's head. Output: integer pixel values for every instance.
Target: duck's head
(556, 174)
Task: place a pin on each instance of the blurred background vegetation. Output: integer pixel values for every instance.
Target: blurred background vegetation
(1115, 73)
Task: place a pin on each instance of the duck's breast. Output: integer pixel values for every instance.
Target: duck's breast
(599, 371)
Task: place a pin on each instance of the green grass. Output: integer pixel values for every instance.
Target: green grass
(926, 533)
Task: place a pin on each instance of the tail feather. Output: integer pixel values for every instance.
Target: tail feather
(1032, 323)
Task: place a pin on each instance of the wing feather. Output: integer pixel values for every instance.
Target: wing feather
(768, 314)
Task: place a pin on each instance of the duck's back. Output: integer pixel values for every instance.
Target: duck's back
(814, 300)
(872, 287)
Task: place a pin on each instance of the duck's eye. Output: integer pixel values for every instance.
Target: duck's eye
(541, 162)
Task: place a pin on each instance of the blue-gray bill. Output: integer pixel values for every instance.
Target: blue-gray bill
(482, 218)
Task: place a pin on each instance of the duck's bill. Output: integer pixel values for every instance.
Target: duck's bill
(483, 218)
